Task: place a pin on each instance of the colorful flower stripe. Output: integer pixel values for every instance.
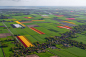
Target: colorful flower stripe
(67, 27)
(68, 22)
(60, 26)
(38, 20)
(20, 23)
(36, 30)
(28, 17)
(24, 41)
(71, 18)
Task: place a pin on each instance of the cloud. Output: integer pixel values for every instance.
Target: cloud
(42, 3)
(16, 0)
(11, 0)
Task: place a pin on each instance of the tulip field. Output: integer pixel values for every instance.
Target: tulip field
(22, 29)
(24, 41)
(36, 30)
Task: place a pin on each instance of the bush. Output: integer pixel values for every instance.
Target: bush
(4, 45)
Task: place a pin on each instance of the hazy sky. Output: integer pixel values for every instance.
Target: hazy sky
(42, 2)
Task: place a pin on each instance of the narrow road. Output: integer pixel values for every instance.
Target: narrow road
(10, 32)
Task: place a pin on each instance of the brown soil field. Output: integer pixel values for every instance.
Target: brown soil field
(3, 35)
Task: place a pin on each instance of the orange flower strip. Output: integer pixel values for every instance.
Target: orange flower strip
(67, 27)
(60, 26)
(38, 20)
(68, 22)
(28, 17)
(20, 23)
(36, 30)
(24, 41)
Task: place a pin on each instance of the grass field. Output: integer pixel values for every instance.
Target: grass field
(81, 38)
(73, 52)
(7, 49)
(46, 54)
(1, 53)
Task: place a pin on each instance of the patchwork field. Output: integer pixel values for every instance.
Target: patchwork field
(25, 29)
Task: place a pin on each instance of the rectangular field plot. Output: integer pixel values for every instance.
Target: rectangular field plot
(3, 35)
(1, 24)
(8, 25)
(32, 39)
(54, 27)
(17, 31)
(46, 54)
(32, 26)
(30, 32)
(25, 41)
(1, 53)
(39, 39)
(4, 31)
(76, 51)
(43, 36)
(36, 30)
(47, 32)
(81, 38)
(67, 24)
(73, 52)
(26, 22)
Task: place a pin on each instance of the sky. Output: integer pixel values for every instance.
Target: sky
(42, 2)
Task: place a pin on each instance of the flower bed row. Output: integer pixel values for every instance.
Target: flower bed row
(24, 41)
(38, 20)
(36, 30)
(68, 22)
(67, 27)
(28, 17)
(70, 18)
(20, 23)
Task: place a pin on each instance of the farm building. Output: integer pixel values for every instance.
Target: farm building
(17, 25)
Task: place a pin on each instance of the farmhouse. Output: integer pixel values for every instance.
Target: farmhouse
(17, 25)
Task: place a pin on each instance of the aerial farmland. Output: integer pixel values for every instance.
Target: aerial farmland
(43, 32)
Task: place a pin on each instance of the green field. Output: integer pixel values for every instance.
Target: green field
(1, 53)
(73, 52)
(49, 27)
(46, 54)
(7, 49)
(81, 38)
